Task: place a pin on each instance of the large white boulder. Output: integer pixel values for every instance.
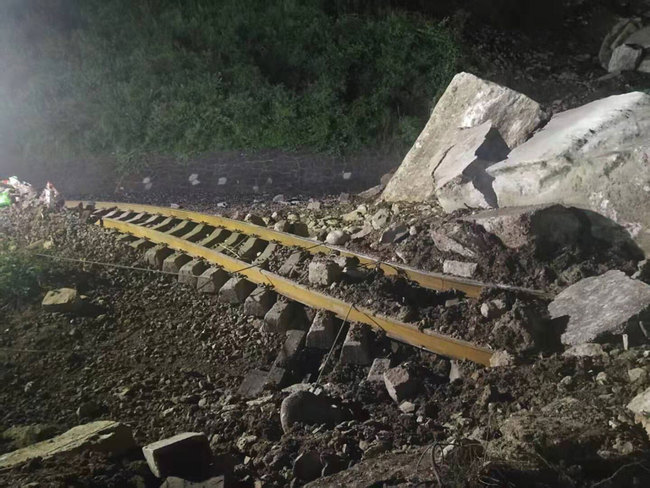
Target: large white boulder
(467, 103)
(596, 156)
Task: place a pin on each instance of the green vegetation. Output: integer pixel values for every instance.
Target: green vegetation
(19, 276)
(179, 77)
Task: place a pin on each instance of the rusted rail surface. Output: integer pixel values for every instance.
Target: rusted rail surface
(426, 279)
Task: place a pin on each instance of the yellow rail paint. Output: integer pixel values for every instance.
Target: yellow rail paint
(426, 279)
(400, 331)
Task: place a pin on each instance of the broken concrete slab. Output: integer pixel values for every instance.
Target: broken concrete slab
(61, 300)
(594, 156)
(324, 272)
(259, 302)
(211, 280)
(459, 268)
(184, 455)
(468, 102)
(640, 406)
(460, 179)
(323, 330)
(601, 306)
(235, 290)
(104, 436)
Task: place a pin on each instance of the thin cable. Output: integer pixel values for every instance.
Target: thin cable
(336, 339)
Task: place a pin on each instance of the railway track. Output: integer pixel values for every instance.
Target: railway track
(226, 256)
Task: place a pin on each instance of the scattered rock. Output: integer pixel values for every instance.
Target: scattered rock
(445, 243)
(307, 408)
(640, 406)
(183, 455)
(394, 234)
(501, 359)
(337, 238)
(103, 436)
(639, 375)
(625, 58)
(460, 179)
(586, 350)
(174, 482)
(380, 219)
(308, 466)
(467, 103)
(324, 272)
(400, 383)
(602, 306)
(594, 156)
(459, 268)
(493, 309)
(61, 300)
(26, 435)
(377, 370)
(255, 219)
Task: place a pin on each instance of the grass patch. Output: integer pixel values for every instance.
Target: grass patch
(132, 79)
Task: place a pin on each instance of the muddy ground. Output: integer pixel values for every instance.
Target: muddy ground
(164, 359)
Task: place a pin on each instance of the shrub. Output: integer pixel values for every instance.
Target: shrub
(19, 276)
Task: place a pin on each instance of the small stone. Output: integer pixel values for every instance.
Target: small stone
(588, 350)
(601, 378)
(380, 219)
(637, 375)
(625, 58)
(324, 272)
(61, 300)
(459, 268)
(308, 466)
(337, 238)
(400, 383)
(640, 406)
(255, 219)
(314, 205)
(407, 407)
(493, 309)
(501, 359)
(278, 198)
(306, 408)
(377, 370)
